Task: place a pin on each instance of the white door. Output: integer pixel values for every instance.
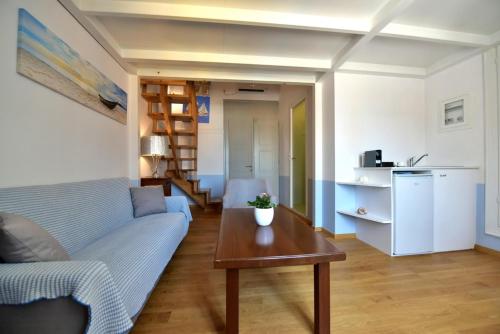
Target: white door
(240, 150)
(266, 155)
(454, 210)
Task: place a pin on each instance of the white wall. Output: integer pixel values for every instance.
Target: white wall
(460, 147)
(377, 112)
(324, 153)
(373, 112)
(44, 136)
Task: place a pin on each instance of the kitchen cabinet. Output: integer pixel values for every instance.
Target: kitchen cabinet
(444, 220)
(454, 209)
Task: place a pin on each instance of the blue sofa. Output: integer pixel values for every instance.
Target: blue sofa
(116, 260)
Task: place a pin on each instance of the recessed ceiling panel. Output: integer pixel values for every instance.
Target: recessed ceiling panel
(220, 38)
(354, 9)
(394, 51)
(473, 16)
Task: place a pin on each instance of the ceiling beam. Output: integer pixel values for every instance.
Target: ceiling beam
(99, 33)
(390, 11)
(382, 69)
(139, 55)
(495, 38)
(434, 35)
(451, 60)
(229, 74)
(226, 15)
(442, 64)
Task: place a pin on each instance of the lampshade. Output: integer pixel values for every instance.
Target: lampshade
(153, 145)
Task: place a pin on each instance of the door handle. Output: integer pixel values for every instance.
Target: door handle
(442, 175)
(249, 166)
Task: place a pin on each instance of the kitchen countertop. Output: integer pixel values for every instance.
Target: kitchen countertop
(417, 168)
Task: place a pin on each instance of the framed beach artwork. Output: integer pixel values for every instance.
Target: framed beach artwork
(48, 60)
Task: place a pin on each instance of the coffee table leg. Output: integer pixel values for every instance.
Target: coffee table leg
(232, 300)
(322, 298)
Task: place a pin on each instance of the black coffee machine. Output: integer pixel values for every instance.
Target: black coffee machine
(372, 158)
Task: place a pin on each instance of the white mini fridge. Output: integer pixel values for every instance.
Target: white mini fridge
(413, 213)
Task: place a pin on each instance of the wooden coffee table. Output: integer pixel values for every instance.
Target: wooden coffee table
(288, 241)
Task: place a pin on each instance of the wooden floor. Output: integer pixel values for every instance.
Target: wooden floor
(455, 292)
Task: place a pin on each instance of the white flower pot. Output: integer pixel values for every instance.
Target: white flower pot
(264, 217)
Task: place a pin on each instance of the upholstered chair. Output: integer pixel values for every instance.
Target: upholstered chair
(240, 191)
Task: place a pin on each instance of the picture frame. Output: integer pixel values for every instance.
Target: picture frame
(454, 113)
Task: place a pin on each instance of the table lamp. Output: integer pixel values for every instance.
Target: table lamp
(156, 148)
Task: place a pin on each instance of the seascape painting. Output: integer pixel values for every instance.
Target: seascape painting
(48, 60)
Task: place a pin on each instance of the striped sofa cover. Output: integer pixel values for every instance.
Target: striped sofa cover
(116, 259)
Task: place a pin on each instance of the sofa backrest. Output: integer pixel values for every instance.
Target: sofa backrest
(76, 214)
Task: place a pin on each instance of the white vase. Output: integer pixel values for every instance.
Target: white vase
(264, 217)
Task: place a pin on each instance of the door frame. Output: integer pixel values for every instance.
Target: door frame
(290, 160)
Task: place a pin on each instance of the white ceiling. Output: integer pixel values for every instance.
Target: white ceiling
(355, 9)
(474, 16)
(404, 52)
(289, 41)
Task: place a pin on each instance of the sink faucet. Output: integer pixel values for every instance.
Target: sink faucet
(413, 161)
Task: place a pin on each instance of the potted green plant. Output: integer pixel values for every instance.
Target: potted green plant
(264, 209)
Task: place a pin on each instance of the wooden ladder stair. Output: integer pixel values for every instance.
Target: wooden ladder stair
(182, 162)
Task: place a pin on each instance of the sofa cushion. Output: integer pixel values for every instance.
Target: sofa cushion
(75, 214)
(148, 200)
(21, 240)
(137, 253)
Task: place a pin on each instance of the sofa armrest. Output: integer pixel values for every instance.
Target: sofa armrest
(87, 282)
(178, 204)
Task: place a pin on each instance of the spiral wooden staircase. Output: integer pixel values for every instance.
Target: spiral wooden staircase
(180, 126)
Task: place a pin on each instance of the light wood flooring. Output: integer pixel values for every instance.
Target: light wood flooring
(456, 292)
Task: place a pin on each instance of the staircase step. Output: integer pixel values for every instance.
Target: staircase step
(177, 117)
(184, 133)
(157, 81)
(200, 199)
(195, 184)
(176, 132)
(156, 115)
(172, 98)
(185, 147)
(183, 117)
(180, 159)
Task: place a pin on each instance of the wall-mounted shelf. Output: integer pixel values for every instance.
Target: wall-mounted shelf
(364, 184)
(368, 217)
